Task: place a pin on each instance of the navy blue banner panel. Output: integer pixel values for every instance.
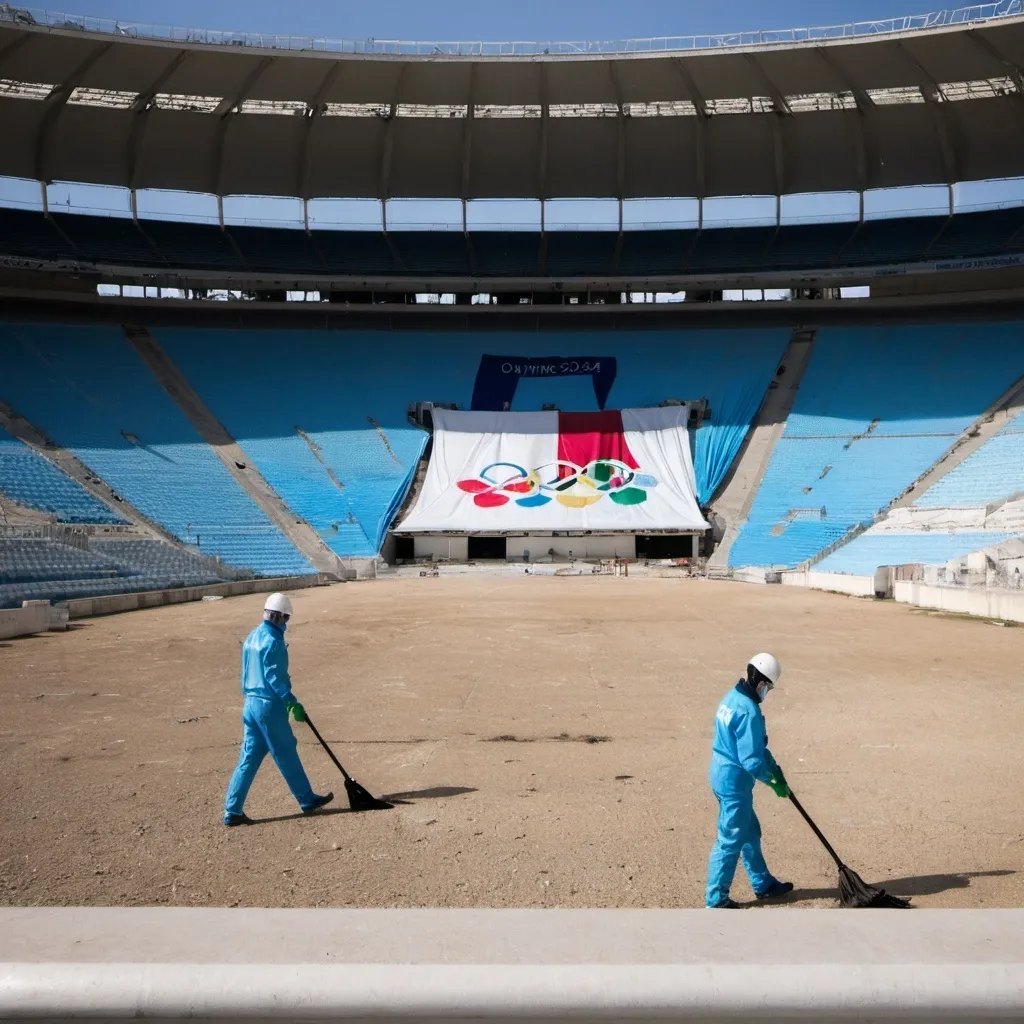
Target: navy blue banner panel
(498, 376)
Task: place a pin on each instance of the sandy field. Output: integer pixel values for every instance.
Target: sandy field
(548, 739)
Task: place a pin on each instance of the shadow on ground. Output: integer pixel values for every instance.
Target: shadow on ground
(915, 885)
(436, 793)
(326, 813)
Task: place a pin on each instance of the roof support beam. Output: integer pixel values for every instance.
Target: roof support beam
(467, 142)
(54, 105)
(700, 105)
(1014, 70)
(781, 104)
(620, 151)
(8, 51)
(542, 162)
(140, 114)
(782, 109)
(384, 185)
(991, 50)
(779, 146)
(467, 165)
(317, 107)
(226, 111)
(861, 138)
(937, 109)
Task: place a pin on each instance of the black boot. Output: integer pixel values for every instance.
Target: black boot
(318, 802)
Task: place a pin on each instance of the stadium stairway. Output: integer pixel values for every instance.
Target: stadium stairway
(877, 409)
(51, 487)
(981, 479)
(731, 505)
(237, 463)
(87, 388)
(109, 505)
(34, 483)
(966, 501)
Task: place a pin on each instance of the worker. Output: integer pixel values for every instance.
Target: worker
(739, 755)
(267, 689)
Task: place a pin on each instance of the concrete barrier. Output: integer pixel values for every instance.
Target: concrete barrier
(109, 604)
(839, 582)
(433, 965)
(24, 621)
(985, 601)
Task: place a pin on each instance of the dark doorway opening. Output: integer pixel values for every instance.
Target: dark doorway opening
(404, 549)
(667, 545)
(486, 547)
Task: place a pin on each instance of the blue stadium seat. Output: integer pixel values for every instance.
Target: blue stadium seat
(876, 408)
(655, 252)
(327, 427)
(355, 252)
(33, 236)
(28, 479)
(193, 246)
(34, 561)
(580, 252)
(349, 394)
(977, 234)
(107, 239)
(271, 249)
(991, 473)
(432, 252)
(506, 253)
(731, 248)
(891, 241)
(107, 408)
(866, 553)
(808, 245)
(50, 570)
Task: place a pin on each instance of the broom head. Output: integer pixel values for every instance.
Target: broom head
(855, 892)
(360, 799)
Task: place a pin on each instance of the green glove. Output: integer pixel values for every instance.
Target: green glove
(298, 712)
(779, 785)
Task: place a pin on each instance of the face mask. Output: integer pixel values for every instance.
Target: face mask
(763, 690)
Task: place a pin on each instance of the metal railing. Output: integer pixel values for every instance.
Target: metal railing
(31, 16)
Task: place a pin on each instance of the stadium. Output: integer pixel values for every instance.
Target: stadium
(549, 381)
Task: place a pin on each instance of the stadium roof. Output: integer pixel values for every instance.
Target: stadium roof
(808, 111)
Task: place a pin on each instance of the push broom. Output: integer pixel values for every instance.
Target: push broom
(359, 799)
(853, 890)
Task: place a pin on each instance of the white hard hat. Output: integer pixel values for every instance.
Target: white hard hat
(278, 603)
(768, 665)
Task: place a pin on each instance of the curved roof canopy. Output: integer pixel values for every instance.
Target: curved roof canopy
(920, 107)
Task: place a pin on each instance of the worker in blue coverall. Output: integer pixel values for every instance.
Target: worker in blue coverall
(739, 756)
(267, 689)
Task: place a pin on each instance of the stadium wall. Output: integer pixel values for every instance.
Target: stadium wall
(837, 582)
(986, 602)
(34, 617)
(88, 607)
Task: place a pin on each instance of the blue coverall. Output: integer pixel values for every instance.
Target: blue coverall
(267, 689)
(739, 755)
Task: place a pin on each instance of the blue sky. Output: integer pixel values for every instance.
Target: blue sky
(495, 19)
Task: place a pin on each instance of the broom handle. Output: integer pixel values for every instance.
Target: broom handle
(330, 753)
(817, 831)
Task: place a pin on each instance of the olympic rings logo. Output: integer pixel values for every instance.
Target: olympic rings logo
(565, 482)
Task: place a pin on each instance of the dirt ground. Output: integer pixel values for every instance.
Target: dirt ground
(548, 739)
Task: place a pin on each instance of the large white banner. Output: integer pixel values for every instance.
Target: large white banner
(518, 472)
